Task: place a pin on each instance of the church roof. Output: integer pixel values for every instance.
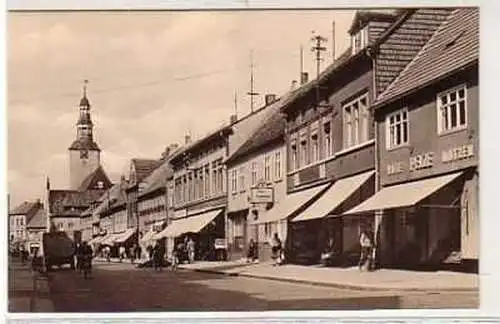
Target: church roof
(93, 179)
(24, 208)
(85, 120)
(82, 144)
(84, 102)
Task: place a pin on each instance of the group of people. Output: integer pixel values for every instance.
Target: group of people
(184, 250)
(84, 254)
(277, 250)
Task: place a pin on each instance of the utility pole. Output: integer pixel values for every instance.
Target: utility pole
(318, 48)
(252, 92)
(333, 41)
(235, 103)
(301, 60)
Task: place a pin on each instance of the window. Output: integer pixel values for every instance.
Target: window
(452, 110)
(303, 153)
(195, 184)
(201, 183)
(397, 129)
(359, 40)
(294, 159)
(267, 168)
(214, 177)
(70, 225)
(356, 121)
(314, 148)
(327, 140)
(21, 221)
(254, 173)
(184, 188)
(60, 226)
(242, 179)
(207, 180)
(234, 181)
(277, 166)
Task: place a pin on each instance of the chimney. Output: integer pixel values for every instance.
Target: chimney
(304, 78)
(233, 119)
(187, 139)
(270, 98)
(294, 85)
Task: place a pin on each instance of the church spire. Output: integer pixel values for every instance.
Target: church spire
(84, 124)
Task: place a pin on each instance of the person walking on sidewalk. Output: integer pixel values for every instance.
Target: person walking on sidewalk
(366, 242)
(252, 251)
(132, 253)
(157, 257)
(190, 250)
(86, 259)
(107, 253)
(122, 253)
(276, 249)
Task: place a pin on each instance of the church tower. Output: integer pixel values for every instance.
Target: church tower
(84, 153)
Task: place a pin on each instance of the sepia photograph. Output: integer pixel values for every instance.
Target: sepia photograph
(242, 160)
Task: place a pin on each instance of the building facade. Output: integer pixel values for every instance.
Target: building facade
(428, 139)
(331, 136)
(19, 219)
(36, 226)
(256, 172)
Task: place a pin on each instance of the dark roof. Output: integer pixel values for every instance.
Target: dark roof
(271, 130)
(157, 179)
(454, 45)
(91, 181)
(71, 202)
(84, 101)
(83, 144)
(364, 16)
(23, 208)
(38, 220)
(144, 167)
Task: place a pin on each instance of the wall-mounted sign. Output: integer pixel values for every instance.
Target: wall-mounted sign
(421, 161)
(261, 195)
(180, 213)
(395, 168)
(457, 153)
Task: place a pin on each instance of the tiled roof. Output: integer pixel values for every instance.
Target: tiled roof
(157, 179)
(91, 181)
(38, 220)
(71, 202)
(144, 167)
(270, 130)
(362, 16)
(115, 197)
(23, 208)
(81, 144)
(454, 45)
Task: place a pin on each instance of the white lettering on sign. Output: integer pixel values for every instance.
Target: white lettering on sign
(395, 168)
(458, 153)
(261, 195)
(421, 161)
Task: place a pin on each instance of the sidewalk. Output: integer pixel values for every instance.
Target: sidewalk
(349, 278)
(28, 291)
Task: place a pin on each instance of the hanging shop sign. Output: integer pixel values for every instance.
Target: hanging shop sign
(457, 153)
(261, 195)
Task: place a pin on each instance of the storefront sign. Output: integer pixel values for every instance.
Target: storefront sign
(261, 195)
(457, 153)
(421, 161)
(220, 243)
(395, 168)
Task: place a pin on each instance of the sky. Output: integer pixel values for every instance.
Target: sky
(153, 76)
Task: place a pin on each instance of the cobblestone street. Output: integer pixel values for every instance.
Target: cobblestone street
(121, 287)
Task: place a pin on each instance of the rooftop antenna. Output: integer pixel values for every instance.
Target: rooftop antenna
(252, 92)
(318, 48)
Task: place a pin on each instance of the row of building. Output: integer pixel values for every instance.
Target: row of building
(386, 136)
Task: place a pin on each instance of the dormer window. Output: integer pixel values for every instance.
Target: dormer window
(359, 40)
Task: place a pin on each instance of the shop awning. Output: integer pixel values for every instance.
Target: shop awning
(108, 239)
(122, 237)
(190, 224)
(403, 195)
(148, 236)
(290, 204)
(333, 197)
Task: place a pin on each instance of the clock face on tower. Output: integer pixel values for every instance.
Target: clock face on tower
(84, 154)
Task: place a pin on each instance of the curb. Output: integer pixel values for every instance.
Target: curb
(333, 285)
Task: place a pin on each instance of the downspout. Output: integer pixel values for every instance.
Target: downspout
(378, 214)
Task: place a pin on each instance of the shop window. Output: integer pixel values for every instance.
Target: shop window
(356, 121)
(452, 110)
(397, 130)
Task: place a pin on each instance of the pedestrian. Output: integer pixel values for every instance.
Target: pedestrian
(276, 249)
(107, 253)
(86, 259)
(22, 254)
(78, 255)
(132, 254)
(175, 258)
(190, 250)
(138, 252)
(157, 257)
(122, 253)
(252, 251)
(327, 257)
(366, 243)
